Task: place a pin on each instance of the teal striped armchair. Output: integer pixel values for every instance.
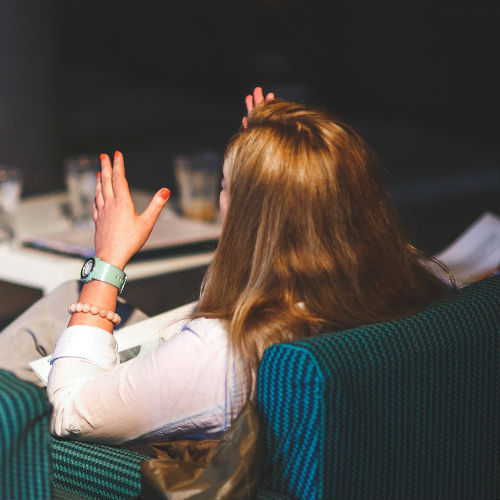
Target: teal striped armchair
(408, 409)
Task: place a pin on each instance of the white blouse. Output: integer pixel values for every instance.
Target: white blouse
(181, 388)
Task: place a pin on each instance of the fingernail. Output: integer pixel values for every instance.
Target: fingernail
(165, 193)
(117, 153)
(102, 157)
(98, 175)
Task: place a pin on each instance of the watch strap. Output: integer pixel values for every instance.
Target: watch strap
(104, 271)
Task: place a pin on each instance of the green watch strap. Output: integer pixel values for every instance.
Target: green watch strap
(97, 269)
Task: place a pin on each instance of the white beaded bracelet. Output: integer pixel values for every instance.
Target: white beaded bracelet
(88, 308)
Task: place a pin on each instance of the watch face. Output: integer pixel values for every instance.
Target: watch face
(87, 268)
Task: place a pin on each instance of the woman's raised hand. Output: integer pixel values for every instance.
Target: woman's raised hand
(119, 230)
(251, 101)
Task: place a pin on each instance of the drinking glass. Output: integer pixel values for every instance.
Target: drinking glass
(198, 178)
(10, 194)
(80, 176)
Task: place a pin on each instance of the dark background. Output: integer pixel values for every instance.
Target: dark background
(419, 81)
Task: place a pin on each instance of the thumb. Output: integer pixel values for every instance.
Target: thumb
(155, 206)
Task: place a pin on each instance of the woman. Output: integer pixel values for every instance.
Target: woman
(309, 243)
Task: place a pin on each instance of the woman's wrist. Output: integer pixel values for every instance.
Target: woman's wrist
(98, 293)
(115, 260)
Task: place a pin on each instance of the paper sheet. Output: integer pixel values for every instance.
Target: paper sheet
(171, 230)
(476, 252)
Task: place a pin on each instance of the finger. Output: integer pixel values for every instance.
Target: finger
(258, 96)
(106, 182)
(249, 103)
(99, 200)
(270, 96)
(120, 184)
(244, 122)
(94, 212)
(154, 208)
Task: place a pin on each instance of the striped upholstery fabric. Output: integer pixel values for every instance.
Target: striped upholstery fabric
(32, 462)
(408, 409)
(24, 440)
(95, 471)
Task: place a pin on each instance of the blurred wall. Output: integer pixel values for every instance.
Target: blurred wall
(29, 93)
(419, 81)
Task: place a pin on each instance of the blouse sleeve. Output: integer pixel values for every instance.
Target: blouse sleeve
(177, 388)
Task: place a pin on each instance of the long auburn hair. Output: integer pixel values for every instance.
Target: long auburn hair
(310, 241)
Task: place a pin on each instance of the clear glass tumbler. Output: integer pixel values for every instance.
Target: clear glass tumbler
(80, 176)
(11, 182)
(198, 178)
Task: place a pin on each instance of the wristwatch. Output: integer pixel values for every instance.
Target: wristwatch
(97, 269)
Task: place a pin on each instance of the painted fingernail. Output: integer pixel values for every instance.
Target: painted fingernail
(98, 175)
(117, 154)
(165, 193)
(102, 157)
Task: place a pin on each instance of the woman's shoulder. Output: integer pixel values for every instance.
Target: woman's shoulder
(207, 328)
(199, 335)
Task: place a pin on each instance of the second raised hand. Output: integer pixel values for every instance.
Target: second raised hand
(252, 101)
(120, 231)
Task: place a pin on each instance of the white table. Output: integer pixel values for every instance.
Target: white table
(43, 270)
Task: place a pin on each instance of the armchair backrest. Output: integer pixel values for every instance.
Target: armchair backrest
(408, 409)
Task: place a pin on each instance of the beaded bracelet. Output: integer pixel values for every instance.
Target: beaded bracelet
(87, 308)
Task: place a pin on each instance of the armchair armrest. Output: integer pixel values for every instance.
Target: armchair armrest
(24, 439)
